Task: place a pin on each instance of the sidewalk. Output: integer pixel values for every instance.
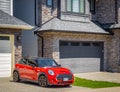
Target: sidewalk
(100, 76)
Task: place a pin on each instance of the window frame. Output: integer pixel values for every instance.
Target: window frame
(93, 6)
(23, 61)
(4, 38)
(48, 4)
(72, 12)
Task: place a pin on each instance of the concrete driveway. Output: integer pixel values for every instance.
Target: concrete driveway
(7, 85)
(100, 76)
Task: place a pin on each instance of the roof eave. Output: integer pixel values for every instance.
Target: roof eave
(16, 26)
(54, 30)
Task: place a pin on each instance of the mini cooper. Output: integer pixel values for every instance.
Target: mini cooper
(44, 71)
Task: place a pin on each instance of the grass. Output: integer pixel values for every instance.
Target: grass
(94, 84)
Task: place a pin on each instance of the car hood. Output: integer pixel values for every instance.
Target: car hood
(60, 70)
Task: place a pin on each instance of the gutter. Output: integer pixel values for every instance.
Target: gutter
(42, 47)
(16, 26)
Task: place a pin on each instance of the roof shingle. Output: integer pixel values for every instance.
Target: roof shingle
(72, 26)
(8, 21)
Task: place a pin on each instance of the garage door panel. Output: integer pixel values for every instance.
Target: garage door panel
(90, 52)
(5, 56)
(5, 46)
(81, 56)
(78, 65)
(80, 51)
(5, 64)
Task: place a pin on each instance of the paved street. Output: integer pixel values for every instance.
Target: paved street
(7, 85)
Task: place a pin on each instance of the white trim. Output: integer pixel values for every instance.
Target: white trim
(16, 26)
(11, 6)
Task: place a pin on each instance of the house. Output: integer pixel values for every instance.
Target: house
(82, 35)
(10, 38)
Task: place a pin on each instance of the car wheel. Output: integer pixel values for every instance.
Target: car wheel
(16, 76)
(43, 81)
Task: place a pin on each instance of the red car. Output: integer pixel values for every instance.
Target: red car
(43, 71)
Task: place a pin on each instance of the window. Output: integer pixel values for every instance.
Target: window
(4, 38)
(92, 6)
(96, 44)
(49, 3)
(32, 63)
(64, 43)
(76, 6)
(85, 44)
(75, 43)
(22, 61)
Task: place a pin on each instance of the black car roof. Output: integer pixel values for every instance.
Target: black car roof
(39, 58)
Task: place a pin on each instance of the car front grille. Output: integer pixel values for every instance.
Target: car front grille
(62, 76)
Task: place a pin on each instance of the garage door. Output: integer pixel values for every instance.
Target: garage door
(5, 56)
(81, 56)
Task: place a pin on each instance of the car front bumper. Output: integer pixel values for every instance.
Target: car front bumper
(61, 79)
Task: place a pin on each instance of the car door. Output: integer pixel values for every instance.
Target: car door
(21, 67)
(30, 71)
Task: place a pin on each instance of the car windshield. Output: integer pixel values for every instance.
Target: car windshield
(46, 62)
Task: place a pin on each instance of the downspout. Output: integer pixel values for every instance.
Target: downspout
(116, 12)
(42, 46)
(35, 12)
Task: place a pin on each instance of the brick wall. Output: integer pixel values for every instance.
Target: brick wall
(105, 11)
(45, 12)
(51, 43)
(114, 52)
(118, 7)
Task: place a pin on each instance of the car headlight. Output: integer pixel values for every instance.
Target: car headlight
(51, 72)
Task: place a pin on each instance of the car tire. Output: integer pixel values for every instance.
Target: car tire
(42, 81)
(67, 85)
(16, 77)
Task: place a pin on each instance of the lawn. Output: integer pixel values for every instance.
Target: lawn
(94, 84)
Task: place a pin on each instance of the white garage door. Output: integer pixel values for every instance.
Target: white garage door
(5, 56)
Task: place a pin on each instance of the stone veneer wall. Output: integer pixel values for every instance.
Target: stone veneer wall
(114, 54)
(47, 13)
(17, 45)
(118, 7)
(51, 43)
(105, 11)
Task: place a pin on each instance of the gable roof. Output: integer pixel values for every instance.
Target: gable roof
(8, 21)
(56, 24)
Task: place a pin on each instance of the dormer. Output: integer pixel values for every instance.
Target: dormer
(75, 10)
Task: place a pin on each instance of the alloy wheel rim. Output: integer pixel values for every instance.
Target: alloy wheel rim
(15, 76)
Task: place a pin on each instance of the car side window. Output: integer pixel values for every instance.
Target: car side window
(22, 61)
(32, 63)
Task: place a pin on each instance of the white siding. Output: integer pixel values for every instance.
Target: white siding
(5, 5)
